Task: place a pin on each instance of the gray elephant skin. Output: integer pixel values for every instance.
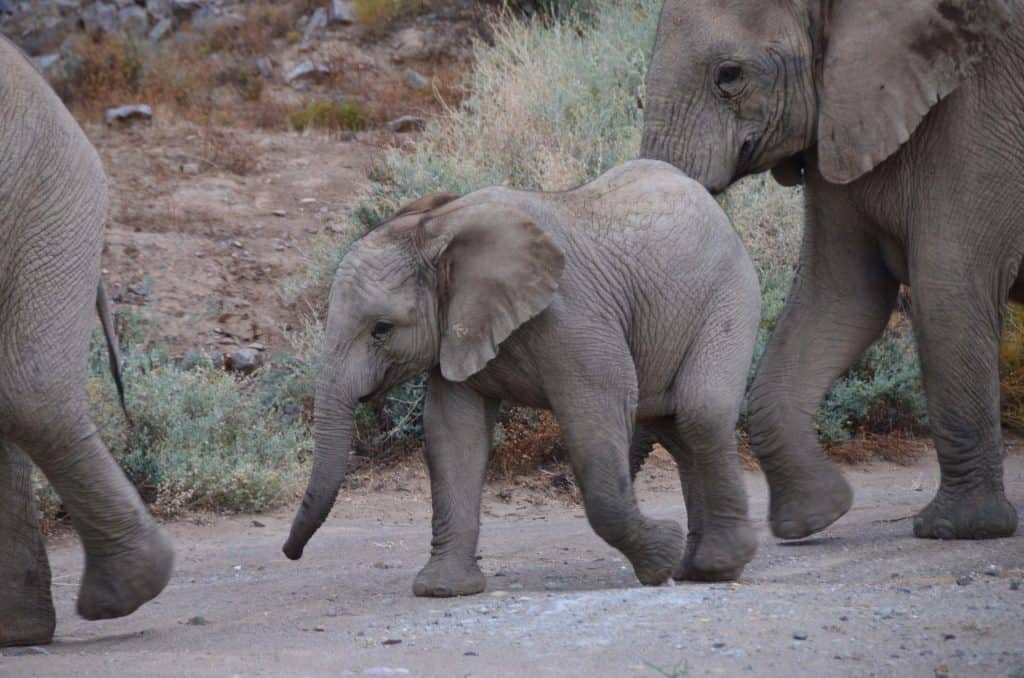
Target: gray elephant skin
(53, 205)
(626, 302)
(905, 120)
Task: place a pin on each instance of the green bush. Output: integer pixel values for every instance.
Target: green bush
(330, 115)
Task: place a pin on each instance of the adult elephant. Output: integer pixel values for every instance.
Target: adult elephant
(906, 122)
(53, 205)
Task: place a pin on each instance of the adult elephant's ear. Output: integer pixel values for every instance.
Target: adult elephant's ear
(886, 63)
(496, 269)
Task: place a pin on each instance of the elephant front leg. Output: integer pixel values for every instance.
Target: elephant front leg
(841, 300)
(26, 608)
(458, 424)
(958, 330)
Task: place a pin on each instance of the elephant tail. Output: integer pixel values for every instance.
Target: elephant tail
(113, 352)
(639, 450)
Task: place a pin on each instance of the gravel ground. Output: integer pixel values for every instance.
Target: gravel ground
(861, 598)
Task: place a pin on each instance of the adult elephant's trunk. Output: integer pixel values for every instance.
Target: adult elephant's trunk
(332, 433)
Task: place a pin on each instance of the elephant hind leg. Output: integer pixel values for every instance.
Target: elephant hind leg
(128, 559)
(26, 608)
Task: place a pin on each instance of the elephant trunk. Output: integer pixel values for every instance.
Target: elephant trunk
(332, 434)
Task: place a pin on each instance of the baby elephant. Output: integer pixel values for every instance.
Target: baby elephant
(628, 301)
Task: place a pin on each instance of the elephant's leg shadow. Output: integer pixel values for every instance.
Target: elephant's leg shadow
(26, 607)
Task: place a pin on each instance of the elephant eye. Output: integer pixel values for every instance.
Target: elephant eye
(381, 328)
(727, 75)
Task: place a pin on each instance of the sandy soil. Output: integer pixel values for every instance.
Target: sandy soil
(203, 253)
(862, 598)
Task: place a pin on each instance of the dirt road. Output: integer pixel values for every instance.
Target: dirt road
(863, 598)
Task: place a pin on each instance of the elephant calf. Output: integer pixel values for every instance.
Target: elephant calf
(628, 301)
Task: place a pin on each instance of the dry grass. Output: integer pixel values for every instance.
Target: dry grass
(527, 440)
(376, 14)
(1011, 365)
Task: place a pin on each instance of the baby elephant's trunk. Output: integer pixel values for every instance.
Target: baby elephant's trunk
(333, 439)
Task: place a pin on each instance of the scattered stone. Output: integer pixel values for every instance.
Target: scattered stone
(948, 636)
(159, 9)
(799, 635)
(470, 105)
(885, 613)
(964, 580)
(187, 6)
(391, 641)
(1015, 584)
(198, 620)
(717, 646)
(190, 168)
(24, 651)
(160, 30)
(257, 523)
(244, 360)
(279, 213)
(237, 244)
(265, 67)
(128, 114)
(317, 22)
(44, 62)
(407, 123)
(340, 12)
(320, 629)
(307, 69)
(410, 43)
(470, 654)
(415, 80)
(200, 254)
(553, 586)
(99, 17)
(280, 247)
(133, 20)
(993, 570)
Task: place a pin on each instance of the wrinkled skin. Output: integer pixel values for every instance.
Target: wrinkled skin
(53, 202)
(906, 122)
(628, 301)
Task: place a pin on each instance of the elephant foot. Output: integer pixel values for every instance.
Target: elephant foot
(28, 617)
(976, 513)
(803, 506)
(719, 555)
(449, 577)
(655, 553)
(116, 584)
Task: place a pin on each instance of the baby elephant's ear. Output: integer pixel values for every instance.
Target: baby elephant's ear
(496, 269)
(426, 203)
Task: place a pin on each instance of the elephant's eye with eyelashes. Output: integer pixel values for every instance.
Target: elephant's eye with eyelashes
(728, 77)
(381, 329)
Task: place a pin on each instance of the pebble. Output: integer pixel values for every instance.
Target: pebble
(885, 612)
(257, 523)
(391, 641)
(386, 671)
(198, 620)
(1015, 585)
(964, 580)
(320, 629)
(553, 586)
(470, 654)
(799, 635)
(279, 213)
(993, 570)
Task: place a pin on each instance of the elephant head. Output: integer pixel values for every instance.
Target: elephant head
(738, 87)
(442, 283)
